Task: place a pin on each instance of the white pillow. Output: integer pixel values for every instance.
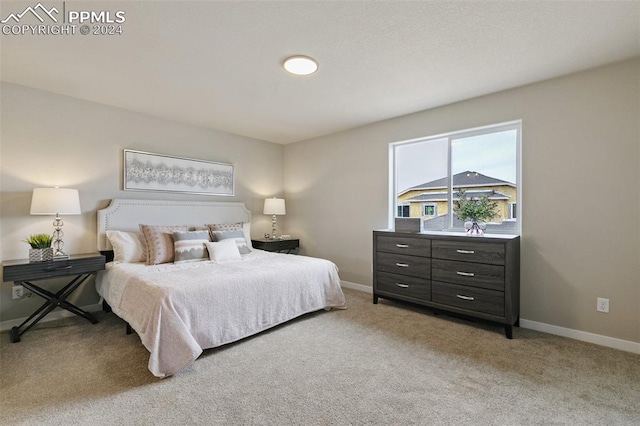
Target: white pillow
(128, 247)
(223, 250)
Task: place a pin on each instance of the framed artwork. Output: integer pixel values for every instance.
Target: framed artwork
(145, 171)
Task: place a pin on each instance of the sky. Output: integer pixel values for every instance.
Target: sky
(491, 154)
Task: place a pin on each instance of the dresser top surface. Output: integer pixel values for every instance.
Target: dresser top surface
(449, 234)
(72, 258)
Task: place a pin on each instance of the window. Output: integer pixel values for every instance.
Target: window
(429, 209)
(403, 210)
(512, 211)
(430, 172)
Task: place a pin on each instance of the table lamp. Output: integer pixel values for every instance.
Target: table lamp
(56, 201)
(274, 206)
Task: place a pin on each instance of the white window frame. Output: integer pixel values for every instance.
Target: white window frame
(403, 205)
(511, 211)
(495, 128)
(435, 209)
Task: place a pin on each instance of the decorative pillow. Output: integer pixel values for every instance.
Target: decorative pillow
(237, 236)
(159, 241)
(128, 247)
(189, 246)
(245, 228)
(225, 226)
(223, 250)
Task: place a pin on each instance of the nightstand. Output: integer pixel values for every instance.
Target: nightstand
(22, 272)
(279, 246)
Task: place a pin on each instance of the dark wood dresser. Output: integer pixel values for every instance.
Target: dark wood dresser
(476, 277)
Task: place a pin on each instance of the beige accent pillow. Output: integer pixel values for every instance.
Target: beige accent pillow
(128, 247)
(198, 228)
(159, 241)
(225, 226)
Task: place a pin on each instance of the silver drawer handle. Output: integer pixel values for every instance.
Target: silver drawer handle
(465, 274)
(402, 265)
(459, 296)
(465, 251)
(402, 245)
(402, 285)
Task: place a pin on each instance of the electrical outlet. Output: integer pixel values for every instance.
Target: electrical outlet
(17, 292)
(602, 305)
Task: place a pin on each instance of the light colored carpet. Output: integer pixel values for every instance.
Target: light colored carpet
(386, 364)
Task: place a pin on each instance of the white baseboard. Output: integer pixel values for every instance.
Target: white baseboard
(598, 339)
(610, 342)
(57, 314)
(359, 287)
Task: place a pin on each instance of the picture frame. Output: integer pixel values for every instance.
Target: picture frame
(146, 171)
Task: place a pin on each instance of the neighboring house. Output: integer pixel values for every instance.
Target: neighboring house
(429, 200)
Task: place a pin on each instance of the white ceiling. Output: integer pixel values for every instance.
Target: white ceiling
(217, 64)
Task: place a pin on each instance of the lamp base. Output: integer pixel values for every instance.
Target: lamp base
(273, 228)
(59, 255)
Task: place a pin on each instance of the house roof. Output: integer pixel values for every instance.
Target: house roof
(464, 179)
(442, 196)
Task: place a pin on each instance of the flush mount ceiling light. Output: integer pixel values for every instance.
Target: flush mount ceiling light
(300, 65)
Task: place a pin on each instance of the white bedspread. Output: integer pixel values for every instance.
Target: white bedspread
(179, 310)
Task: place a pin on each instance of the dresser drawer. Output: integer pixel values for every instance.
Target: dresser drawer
(404, 265)
(403, 285)
(468, 273)
(470, 298)
(404, 245)
(469, 251)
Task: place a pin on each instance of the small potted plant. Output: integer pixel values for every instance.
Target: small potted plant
(41, 250)
(474, 212)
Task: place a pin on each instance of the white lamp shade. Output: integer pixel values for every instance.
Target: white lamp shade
(51, 201)
(274, 206)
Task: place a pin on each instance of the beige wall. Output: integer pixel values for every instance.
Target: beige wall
(580, 151)
(48, 140)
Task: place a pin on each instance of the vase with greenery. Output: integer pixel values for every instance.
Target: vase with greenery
(41, 250)
(474, 211)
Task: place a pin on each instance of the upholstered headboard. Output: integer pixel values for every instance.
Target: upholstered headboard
(127, 215)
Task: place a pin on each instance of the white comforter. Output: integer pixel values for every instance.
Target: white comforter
(179, 310)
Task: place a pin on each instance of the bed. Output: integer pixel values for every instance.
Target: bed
(182, 307)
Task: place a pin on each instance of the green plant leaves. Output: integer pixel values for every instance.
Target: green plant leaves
(474, 209)
(39, 241)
